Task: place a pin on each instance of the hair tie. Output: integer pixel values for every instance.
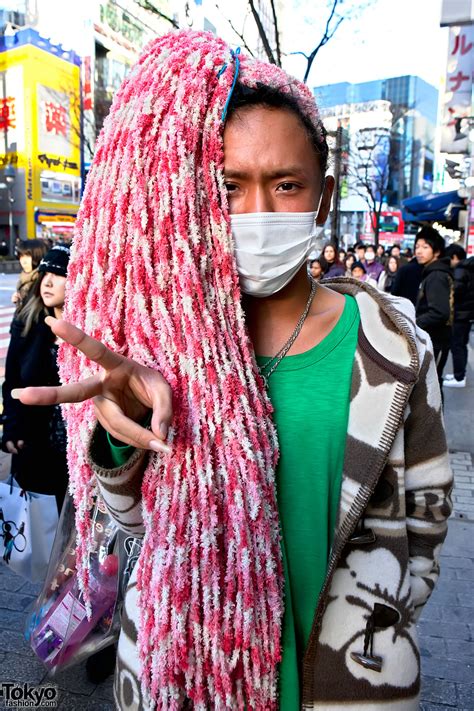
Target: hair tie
(235, 57)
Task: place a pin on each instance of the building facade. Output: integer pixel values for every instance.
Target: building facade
(400, 113)
(98, 41)
(40, 129)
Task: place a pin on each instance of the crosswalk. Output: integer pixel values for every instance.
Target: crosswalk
(6, 315)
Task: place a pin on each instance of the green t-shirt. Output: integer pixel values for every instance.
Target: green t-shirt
(310, 395)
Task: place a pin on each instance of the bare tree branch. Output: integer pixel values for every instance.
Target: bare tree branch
(333, 22)
(263, 35)
(239, 34)
(277, 32)
(328, 34)
(150, 7)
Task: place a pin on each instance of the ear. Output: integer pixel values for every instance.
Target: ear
(326, 200)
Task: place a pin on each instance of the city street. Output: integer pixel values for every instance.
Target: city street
(172, 176)
(446, 628)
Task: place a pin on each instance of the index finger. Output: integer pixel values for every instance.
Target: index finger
(91, 347)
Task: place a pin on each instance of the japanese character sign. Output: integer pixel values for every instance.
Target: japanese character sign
(7, 113)
(456, 101)
(54, 122)
(55, 118)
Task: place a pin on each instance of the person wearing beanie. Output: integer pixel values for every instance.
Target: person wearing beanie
(36, 437)
(258, 430)
(359, 271)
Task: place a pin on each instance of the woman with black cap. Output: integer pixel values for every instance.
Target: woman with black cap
(36, 436)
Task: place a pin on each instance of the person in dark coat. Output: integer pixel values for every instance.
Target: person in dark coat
(407, 281)
(36, 436)
(463, 313)
(435, 303)
(330, 263)
(387, 278)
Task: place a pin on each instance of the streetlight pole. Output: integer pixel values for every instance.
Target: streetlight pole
(10, 178)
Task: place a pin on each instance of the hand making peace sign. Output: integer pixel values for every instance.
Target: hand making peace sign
(123, 393)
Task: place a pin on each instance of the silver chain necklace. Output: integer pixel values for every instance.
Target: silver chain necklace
(270, 366)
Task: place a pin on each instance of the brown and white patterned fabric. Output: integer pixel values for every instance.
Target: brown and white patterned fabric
(395, 500)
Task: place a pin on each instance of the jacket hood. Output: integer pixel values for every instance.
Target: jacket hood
(439, 265)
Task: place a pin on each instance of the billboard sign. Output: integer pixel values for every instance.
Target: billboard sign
(457, 98)
(39, 100)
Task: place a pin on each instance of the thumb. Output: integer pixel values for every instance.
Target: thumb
(162, 412)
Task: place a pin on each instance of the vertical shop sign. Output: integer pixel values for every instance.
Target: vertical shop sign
(457, 97)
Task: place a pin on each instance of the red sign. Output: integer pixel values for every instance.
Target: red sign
(87, 99)
(7, 113)
(55, 118)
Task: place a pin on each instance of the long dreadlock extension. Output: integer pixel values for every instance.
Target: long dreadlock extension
(153, 276)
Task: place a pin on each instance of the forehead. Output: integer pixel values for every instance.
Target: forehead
(268, 138)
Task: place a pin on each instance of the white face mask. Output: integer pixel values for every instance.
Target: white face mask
(270, 247)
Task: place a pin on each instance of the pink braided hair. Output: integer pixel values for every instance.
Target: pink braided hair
(152, 275)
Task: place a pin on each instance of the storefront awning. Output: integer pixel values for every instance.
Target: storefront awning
(436, 207)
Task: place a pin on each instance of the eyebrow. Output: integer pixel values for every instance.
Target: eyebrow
(278, 173)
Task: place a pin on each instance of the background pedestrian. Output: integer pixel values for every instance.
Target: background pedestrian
(407, 280)
(380, 254)
(463, 314)
(315, 269)
(374, 269)
(359, 249)
(36, 436)
(332, 266)
(435, 303)
(359, 271)
(30, 253)
(388, 275)
(348, 262)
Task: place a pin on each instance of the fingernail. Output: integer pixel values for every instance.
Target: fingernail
(16, 393)
(164, 430)
(50, 320)
(159, 446)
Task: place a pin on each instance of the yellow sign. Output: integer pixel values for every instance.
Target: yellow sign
(40, 118)
(55, 218)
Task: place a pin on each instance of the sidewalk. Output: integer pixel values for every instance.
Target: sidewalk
(446, 627)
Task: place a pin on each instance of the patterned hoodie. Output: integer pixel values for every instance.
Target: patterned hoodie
(395, 499)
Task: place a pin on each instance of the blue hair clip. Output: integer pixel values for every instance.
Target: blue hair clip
(235, 57)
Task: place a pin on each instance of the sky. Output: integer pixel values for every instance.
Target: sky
(391, 38)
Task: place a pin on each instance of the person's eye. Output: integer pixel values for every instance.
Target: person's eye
(231, 187)
(287, 186)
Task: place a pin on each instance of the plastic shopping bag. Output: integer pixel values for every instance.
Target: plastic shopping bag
(28, 524)
(59, 630)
